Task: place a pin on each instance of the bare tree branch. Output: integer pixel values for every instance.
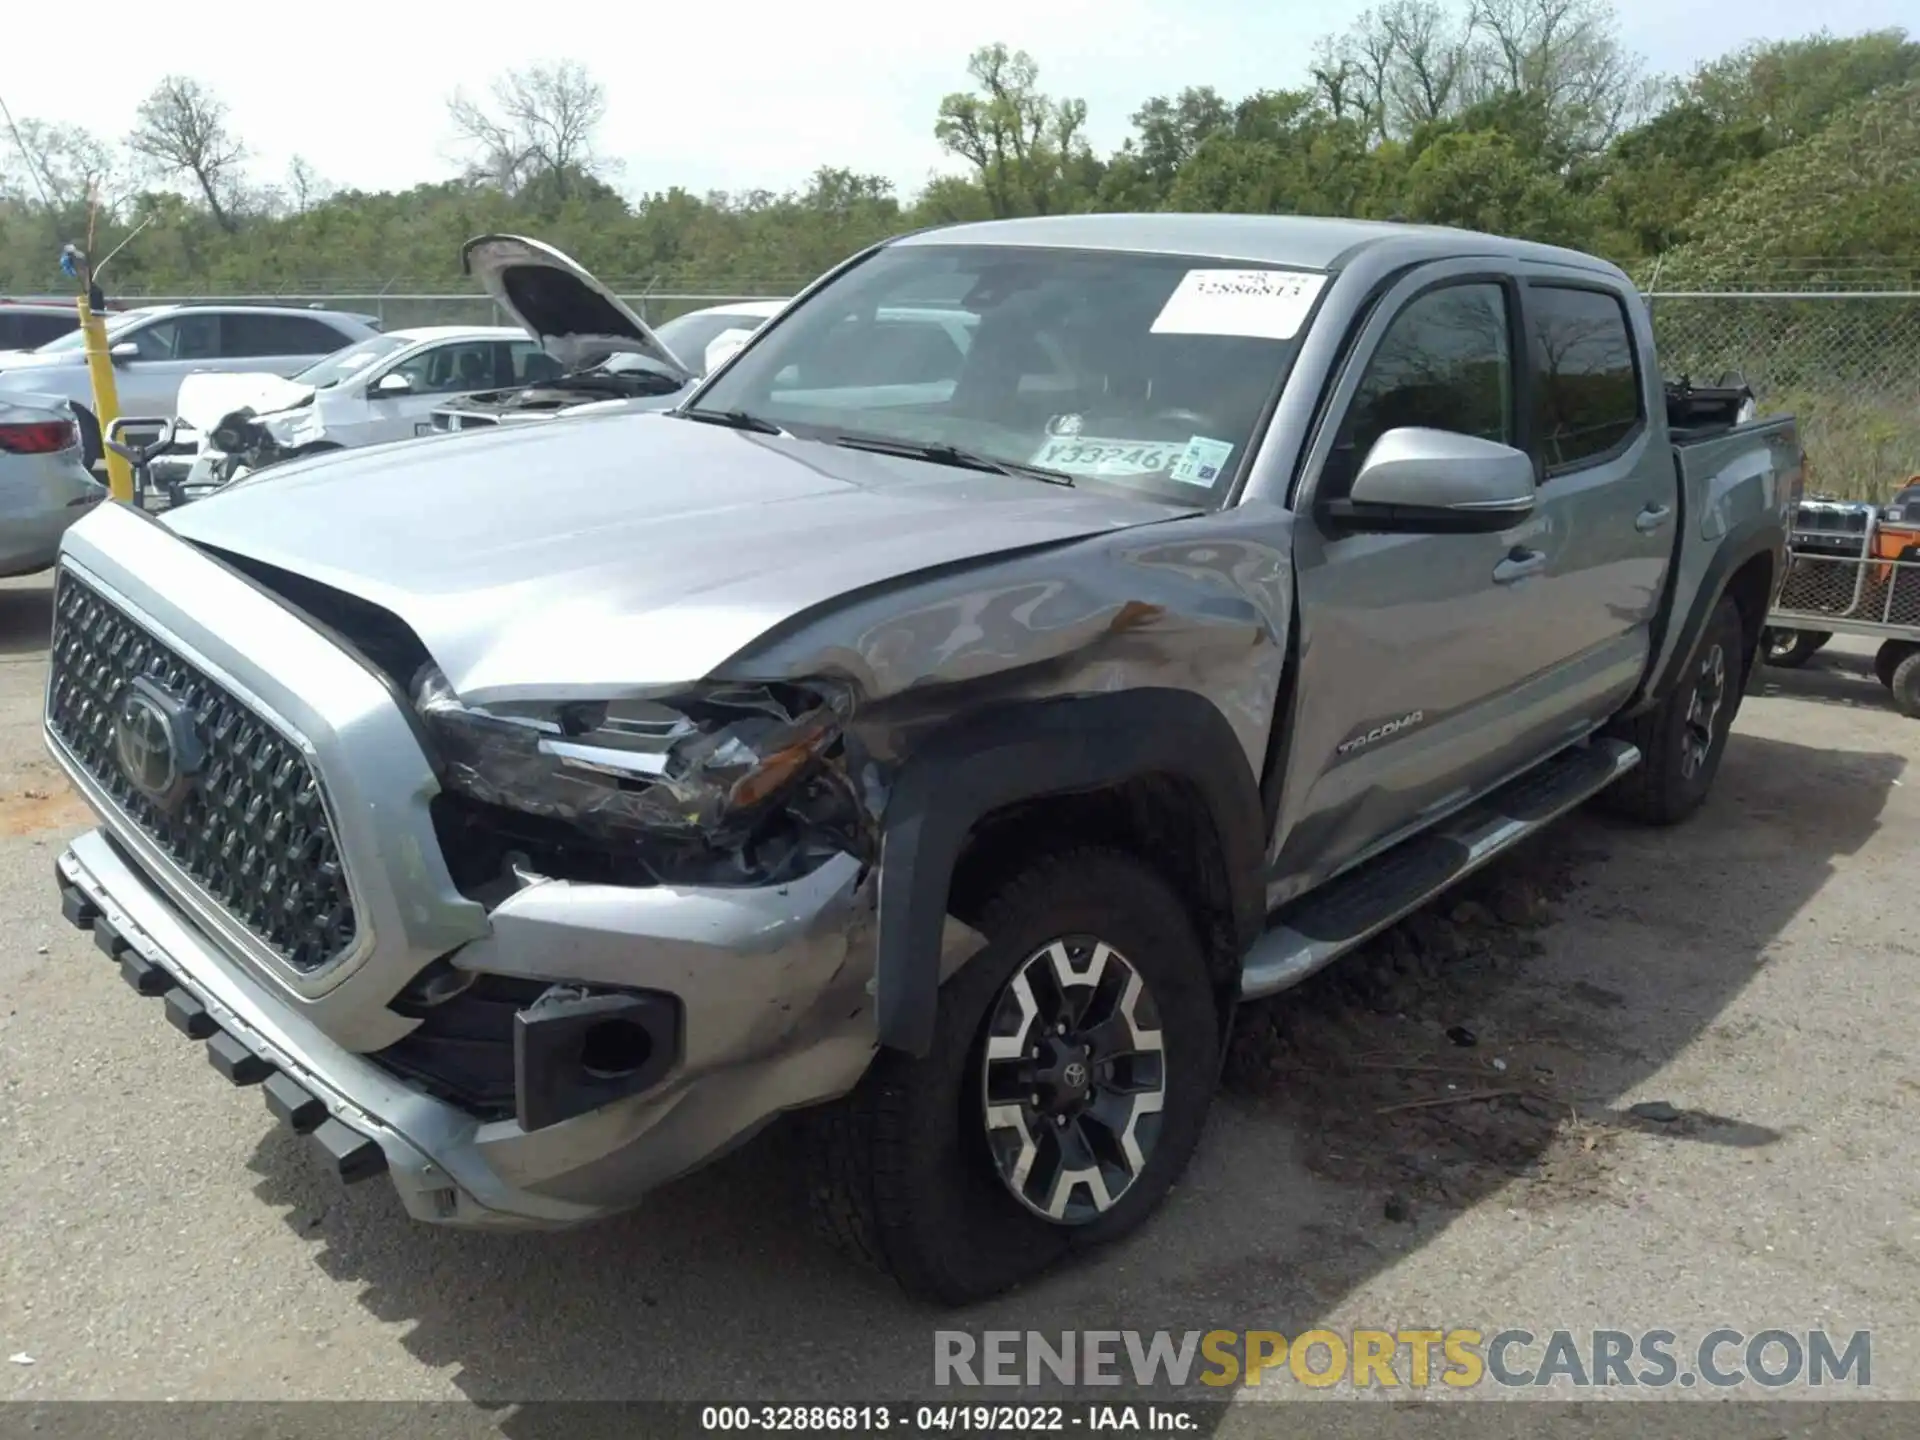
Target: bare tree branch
(305, 188)
(62, 167)
(183, 132)
(538, 130)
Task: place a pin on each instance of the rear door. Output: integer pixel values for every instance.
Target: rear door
(1607, 488)
(276, 344)
(1419, 654)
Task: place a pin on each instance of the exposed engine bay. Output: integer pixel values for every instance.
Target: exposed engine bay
(599, 382)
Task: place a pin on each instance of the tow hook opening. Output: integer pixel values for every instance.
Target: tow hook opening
(575, 1050)
(614, 1050)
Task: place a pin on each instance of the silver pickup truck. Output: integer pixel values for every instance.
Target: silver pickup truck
(940, 749)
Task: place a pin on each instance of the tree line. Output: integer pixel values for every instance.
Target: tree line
(1523, 117)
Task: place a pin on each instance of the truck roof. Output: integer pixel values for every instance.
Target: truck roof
(1309, 242)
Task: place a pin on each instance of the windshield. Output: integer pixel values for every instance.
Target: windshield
(77, 339)
(1143, 372)
(346, 363)
(688, 336)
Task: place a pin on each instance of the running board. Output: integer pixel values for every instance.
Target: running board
(1325, 924)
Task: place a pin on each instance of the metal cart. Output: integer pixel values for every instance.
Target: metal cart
(1854, 569)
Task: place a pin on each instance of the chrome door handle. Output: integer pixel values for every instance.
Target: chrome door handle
(1652, 518)
(1519, 565)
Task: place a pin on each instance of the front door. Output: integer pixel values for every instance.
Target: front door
(434, 376)
(1419, 654)
(170, 349)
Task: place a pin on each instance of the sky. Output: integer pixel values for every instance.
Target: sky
(747, 95)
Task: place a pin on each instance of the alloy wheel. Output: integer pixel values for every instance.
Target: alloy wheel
(1073, 1080)
(1703, 710)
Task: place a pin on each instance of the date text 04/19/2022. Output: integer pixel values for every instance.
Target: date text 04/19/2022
(945, 1419)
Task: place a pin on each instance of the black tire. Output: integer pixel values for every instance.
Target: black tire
(1887, 659)
(1790, 649)
(1906, 686)
(92, 452)
(1680, 748)
(902, 1172)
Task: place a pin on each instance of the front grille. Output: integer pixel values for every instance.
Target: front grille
(251, 827)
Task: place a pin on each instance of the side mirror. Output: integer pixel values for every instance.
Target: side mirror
(392, 383)
(1438, 482)
(724, 346)
(126, 350)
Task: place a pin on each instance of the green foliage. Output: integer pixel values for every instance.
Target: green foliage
(1848, 193)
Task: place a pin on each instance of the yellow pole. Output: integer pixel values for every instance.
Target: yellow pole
(106, 399)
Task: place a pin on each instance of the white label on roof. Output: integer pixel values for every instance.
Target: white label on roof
(1260, 304)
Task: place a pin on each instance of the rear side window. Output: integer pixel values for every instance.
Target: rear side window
(1587, 389)
(255, 335)
(1445, 363)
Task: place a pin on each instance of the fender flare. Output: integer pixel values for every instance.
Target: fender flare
(1761, 537)
(1028, 751)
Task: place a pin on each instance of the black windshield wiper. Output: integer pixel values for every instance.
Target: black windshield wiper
(732, 419)
(941, 454)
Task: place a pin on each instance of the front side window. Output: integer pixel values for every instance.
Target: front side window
(1587, 389)
(1446, 363)
(1148, 373)
(179, 337)
(449, 369)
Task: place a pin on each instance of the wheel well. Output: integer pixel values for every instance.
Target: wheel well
(1159, 819)
(1750, 588)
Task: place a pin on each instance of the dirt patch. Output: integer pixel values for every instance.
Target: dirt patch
(44, 806)
(1424, 1065)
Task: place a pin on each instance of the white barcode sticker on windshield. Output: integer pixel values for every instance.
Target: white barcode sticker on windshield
(1256, 304)
(1201, 462)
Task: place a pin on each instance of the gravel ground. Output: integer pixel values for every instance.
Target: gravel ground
(1740, 975)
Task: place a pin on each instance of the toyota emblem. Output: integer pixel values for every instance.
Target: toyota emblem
(154, 743)
(1075, 1074)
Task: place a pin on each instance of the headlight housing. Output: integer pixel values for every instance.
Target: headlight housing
(705, 764)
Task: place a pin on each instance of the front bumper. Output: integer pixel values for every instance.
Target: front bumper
(771, 1027)
(772, 985)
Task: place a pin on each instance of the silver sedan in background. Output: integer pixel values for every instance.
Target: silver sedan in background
(44, 486)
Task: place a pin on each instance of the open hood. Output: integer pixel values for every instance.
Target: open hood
(576, 319)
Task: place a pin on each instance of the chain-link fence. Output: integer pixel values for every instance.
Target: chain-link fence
(1847, 364)
(399, 309)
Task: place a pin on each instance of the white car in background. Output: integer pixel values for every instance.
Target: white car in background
(157, 347)
(380, 389)
(604, 355)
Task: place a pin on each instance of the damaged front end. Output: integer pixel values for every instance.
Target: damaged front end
(724, 784)
(723, 814)
(243, 440)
